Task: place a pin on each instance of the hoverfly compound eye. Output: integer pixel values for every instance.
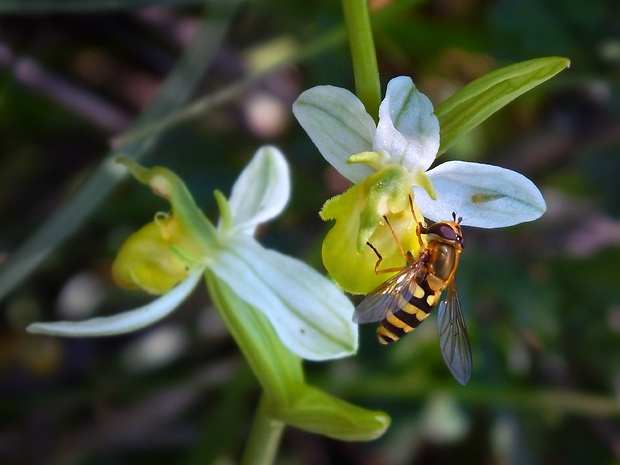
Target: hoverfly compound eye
(442, 230)
(448, 232)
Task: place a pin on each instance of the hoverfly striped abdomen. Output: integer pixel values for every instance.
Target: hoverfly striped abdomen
(415, 305)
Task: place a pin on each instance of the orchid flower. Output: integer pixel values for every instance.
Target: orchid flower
(391, 162)
(278, 309)
(169, 255)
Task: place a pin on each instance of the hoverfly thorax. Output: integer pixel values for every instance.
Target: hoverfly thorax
(445, 242)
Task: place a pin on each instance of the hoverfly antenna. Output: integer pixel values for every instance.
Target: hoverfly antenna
(459, 220)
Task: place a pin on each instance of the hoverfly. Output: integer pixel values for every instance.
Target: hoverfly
(402, 302)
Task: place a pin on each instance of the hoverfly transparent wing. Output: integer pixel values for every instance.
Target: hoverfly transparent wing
(389, 297)
(453, 338)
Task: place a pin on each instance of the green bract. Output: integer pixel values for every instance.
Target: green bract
(287, 397)
(406, 140)
(482, 97)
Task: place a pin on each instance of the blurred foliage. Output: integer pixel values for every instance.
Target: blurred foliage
(542, 300)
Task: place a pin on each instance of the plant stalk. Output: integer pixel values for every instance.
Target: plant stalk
(363, 55)
(265, 435)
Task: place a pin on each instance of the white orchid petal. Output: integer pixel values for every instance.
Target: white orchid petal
(310, 314)
(121, 323)
(339, 126)
(261, 191)
(408, 130)
(486, 196)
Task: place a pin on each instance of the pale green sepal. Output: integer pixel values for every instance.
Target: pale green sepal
(168, 185)
(319, 412)
(310, 314)
(419, 178)
(359, 218)
(408, 130)
(339, 126)
(375, 160)
(277, 369)
(486, 196)
(261, 191)
(226, 220)
(482, 97)
(123, 322)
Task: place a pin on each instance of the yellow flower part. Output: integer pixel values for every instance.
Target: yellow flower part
(146, 261)
(359, 219)
(161, 254)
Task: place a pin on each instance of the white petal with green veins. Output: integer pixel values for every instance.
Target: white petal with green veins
(121, 323)
(486, 196)
(310, 314)
(408, 130)
(261, 191)
(339, 126)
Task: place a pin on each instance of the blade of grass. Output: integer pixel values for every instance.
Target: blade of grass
(172, 94)
(203, 104)
(544, 400)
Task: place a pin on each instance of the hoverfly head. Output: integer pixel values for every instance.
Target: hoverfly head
(449, 231)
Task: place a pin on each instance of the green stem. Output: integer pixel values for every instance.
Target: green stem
(264, 438)
(363, 55)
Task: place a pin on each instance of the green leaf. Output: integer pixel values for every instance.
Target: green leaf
(482, 97)
(319, 412)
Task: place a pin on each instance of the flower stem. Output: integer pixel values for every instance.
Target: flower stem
(365, 70)
(265, 435)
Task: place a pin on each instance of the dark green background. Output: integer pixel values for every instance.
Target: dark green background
(541, 300)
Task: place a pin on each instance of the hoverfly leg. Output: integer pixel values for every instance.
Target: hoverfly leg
(379, 260)
(404, 254)
(420, 227)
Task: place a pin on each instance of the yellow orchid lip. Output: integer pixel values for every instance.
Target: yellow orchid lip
(359, 219)
(145, 261)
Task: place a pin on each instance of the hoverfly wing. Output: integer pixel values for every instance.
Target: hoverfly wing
(453, 339)
(388, 298)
